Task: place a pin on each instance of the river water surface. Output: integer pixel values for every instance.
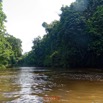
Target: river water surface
(38, 85)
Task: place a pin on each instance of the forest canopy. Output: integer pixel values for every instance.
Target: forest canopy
(10, 47)
(76, 40)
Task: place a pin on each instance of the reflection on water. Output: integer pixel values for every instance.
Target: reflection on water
(38, 85)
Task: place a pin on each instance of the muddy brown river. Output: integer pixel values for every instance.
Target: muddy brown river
(41, 85)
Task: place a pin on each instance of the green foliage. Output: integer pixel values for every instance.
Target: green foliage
(76, 40)
(10, 47)
(10, 50)
(16, 49)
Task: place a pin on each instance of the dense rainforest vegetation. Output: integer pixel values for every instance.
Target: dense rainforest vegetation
(76, 40)
(10, 47)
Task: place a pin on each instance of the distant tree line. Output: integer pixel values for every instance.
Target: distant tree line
(10, 47)
(76, 40)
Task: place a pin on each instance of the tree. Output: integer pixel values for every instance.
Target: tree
(76, 40)
(10, 47)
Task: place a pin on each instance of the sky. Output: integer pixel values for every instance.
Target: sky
(25, 18)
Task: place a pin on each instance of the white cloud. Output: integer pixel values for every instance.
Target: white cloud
(26, 16)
